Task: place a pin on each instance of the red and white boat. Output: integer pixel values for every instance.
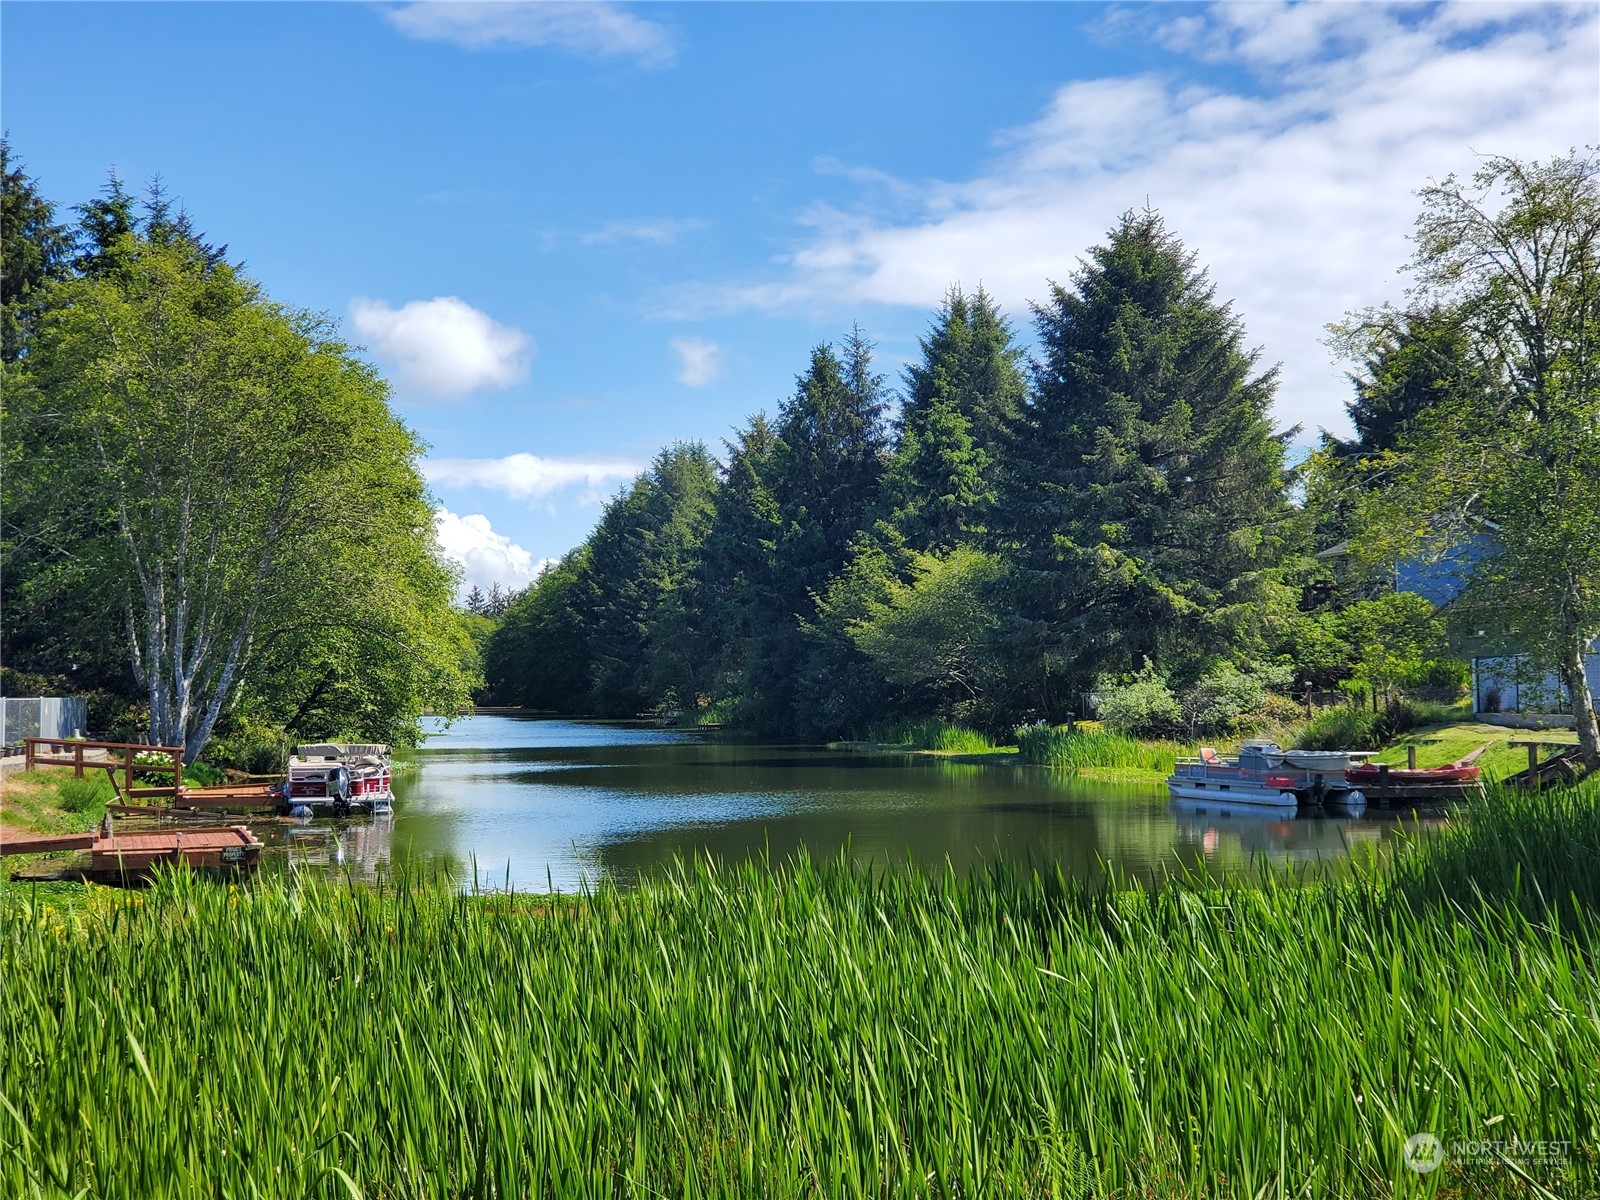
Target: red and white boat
(1368, 774)
(339, 778)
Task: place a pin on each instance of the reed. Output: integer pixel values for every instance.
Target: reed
(932, 733)
(1083, 749)
(805, 1029)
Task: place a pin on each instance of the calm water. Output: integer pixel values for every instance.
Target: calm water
(539, 802)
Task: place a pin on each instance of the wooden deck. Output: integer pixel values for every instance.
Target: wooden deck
(123, 857)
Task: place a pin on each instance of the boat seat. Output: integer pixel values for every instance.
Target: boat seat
(1209, 755)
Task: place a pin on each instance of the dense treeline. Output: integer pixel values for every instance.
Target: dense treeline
(1006, 539)
(1010, 535)
(213, 523)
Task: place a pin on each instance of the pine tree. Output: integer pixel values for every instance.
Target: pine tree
(826, 465)
(494, 604)
(796, 493)
(475, 601)
(734, 579)
(33, 251)
(1150, 491)
(961, 402)
(641, 556)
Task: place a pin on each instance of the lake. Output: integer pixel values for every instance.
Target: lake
(538, 803)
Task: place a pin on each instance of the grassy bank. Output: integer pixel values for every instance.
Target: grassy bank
(816, 1030)
(51, 800)
(1447, 742)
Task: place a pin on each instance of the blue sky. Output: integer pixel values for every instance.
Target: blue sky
(571, 233)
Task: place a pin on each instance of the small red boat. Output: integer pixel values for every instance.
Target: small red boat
(1371, 773)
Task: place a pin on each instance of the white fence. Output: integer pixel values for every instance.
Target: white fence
(42, 716)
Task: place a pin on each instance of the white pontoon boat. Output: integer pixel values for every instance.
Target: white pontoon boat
(339, 777)
(1265, 776)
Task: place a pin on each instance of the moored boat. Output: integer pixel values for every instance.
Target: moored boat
(1457, 773)
(1263, 775)
(339, 777)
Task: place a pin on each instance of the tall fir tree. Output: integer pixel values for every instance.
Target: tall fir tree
(961, 402)
(1150, 498)
(640, 555)
(814, 490)
(34, 250)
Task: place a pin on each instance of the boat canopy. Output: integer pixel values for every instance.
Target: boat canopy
(342, 750)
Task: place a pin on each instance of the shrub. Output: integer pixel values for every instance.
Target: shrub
(251, 746)
(1362, 729)
(1138, 704)
(86, 794)
(202, 774)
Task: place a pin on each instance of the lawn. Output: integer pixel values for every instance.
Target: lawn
(1438, 745)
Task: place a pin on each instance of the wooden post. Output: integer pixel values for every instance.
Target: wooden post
(127, 772)
(177, 774)
(1411, 758)
(1533, 762)
(77, 760)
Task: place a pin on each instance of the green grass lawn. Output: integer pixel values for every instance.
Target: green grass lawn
(52, 800)
(1438, 745)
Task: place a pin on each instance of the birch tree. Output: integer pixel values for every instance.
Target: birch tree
(1510, 459)
(236, 449)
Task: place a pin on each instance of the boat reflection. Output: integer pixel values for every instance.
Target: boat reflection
(1224, 834)
(360, 848)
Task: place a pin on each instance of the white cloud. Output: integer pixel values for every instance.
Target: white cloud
(699, 361)
(657, 231)
(1298, 192)
(486, 557)
(443, 346)
(526, 476)
(589, 27)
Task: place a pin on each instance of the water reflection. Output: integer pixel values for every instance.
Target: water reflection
(539, 803)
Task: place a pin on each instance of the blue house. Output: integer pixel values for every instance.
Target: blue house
(1504, 680)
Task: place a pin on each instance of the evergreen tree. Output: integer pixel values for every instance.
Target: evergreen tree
(1408, 368)
(641, 556)
(1405, 373)
(961, 401)
(475, 602)
(494, 604)
(735, 578)
(33, 251)
(1150, 488)
(538, 656)
(826, 467)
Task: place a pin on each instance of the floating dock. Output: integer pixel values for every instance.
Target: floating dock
(124, 857)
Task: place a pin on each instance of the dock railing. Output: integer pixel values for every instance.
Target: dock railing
(128, 758)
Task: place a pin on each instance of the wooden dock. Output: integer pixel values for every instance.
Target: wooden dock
(125, 857)
(125, 762)
(1418, 794)
(1565, 765)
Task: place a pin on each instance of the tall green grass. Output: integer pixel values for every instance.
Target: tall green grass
(1538, 852)
(932, 733)
(1081, 749)
(810, 1030)
(87, 795)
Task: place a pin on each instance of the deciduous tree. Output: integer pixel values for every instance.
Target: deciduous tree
(1514, 450)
